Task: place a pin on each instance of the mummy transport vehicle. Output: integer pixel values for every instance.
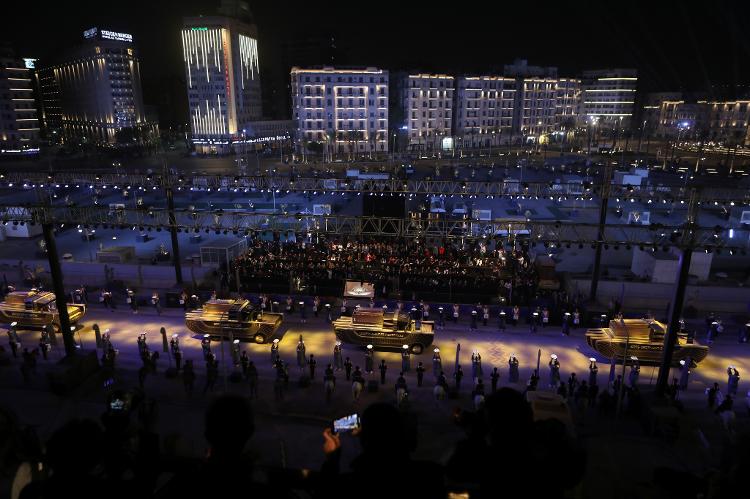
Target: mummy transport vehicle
(643, 338)
(36, 309)
(235, 319)
(384, 329)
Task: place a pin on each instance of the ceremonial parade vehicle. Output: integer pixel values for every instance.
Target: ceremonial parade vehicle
(36, 309)
(643, 338)
(234, 319)
(384, 329)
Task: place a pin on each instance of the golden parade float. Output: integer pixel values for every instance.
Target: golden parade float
(235, 319)
(643, 338)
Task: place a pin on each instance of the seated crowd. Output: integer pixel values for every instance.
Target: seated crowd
(417, 269)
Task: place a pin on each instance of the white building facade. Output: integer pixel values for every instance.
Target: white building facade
(484, 110)
(343, 110)
(428, 109)
(609, 96)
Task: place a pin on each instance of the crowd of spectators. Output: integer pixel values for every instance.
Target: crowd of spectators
(399, 268)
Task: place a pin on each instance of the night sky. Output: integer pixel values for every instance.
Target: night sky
(693, 46)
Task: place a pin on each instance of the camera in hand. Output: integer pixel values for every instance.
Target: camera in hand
(347, 423)
(117, 405)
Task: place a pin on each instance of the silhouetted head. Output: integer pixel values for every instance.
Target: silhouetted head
(383, 431)
(509, 415)
(229, 424)
(75, 448)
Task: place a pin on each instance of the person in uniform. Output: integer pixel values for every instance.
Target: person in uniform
(348, 368)
(338, 360)
(485, 315)
(533, 382)
(420, 373)
(713, 395)
(274, 351)
(131, 300)
(554, 371)
(425, 310)
(437, 363)
(516, 315)
(712, 332)
(684, 372)
(576, 319)
(733, 381)
(206, 346)
(405, 359)
(311, 363)
(174, 346)
(534, 321)
(142, 346)
(501, 323)
(289, 305)
(494, 378)
(744, 333)
(369, 360)
(316, 306)
(184, 301)
(383, 368)
(473, 325)
(455, 312)
(593, 371)
(156, 302)
(416, 316)
(635, 371)
(458, 376)
(566, 324)
(441, 318)
(603, 320)
(244, 363)
(235, 352)
(301, 357)
(329, 318)
(545, 317)
(513, 369)
(252, 379)
(302, 312)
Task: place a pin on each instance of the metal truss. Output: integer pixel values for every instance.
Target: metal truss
(539, 232)
(508, 188)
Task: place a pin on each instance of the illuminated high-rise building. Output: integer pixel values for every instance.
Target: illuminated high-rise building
(19, 123)
(94, 91)
(223, 77)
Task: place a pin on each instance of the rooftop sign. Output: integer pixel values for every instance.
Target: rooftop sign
(104, 34)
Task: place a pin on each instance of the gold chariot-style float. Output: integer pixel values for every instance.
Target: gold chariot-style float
(36, 309)
(235, 319)
(643, 338)
(384, 329)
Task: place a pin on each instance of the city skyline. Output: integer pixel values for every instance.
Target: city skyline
(668, 54)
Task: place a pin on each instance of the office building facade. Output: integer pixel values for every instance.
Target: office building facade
(222, 72)
(344, 110)
(94, 91)
(19, 120)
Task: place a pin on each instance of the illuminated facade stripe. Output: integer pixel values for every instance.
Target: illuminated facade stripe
(248, 58)
(199, 48)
